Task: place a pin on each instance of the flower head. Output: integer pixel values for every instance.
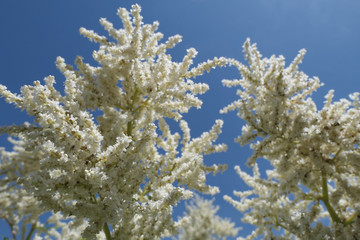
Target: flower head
(103, 151)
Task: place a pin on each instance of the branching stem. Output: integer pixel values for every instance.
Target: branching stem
(33, 227)
(131, 108)
(11, 228)
(325, 199)
(107, 231)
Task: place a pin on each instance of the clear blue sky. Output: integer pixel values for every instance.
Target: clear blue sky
(34, 33)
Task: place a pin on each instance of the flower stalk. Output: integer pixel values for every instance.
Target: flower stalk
(107, 231)
(325, 199)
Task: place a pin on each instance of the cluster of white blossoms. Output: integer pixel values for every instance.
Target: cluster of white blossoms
(101, 161)
(20, 209)
(314, 153)
(201, 222)
(103, 152)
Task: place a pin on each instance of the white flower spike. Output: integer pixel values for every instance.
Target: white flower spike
(96, 152)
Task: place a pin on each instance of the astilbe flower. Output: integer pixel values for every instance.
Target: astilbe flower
(20, 209)
(314, 153)
(103, 151)
(201, 222)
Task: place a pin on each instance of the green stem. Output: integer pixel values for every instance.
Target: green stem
(280, 224)
(107, 232)
(325, 199)
(351, 219)
(131, 108)
(11, 228)
(129, 128)
(33, 227)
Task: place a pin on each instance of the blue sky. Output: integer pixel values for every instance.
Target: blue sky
(34, 33)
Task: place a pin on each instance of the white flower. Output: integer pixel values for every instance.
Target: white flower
(201, 222)
(96, 152)
(310, 150)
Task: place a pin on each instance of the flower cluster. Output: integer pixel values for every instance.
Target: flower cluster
(314, 153)
(103, 152)
(20, 209)
(201, 222)
(102, 160)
